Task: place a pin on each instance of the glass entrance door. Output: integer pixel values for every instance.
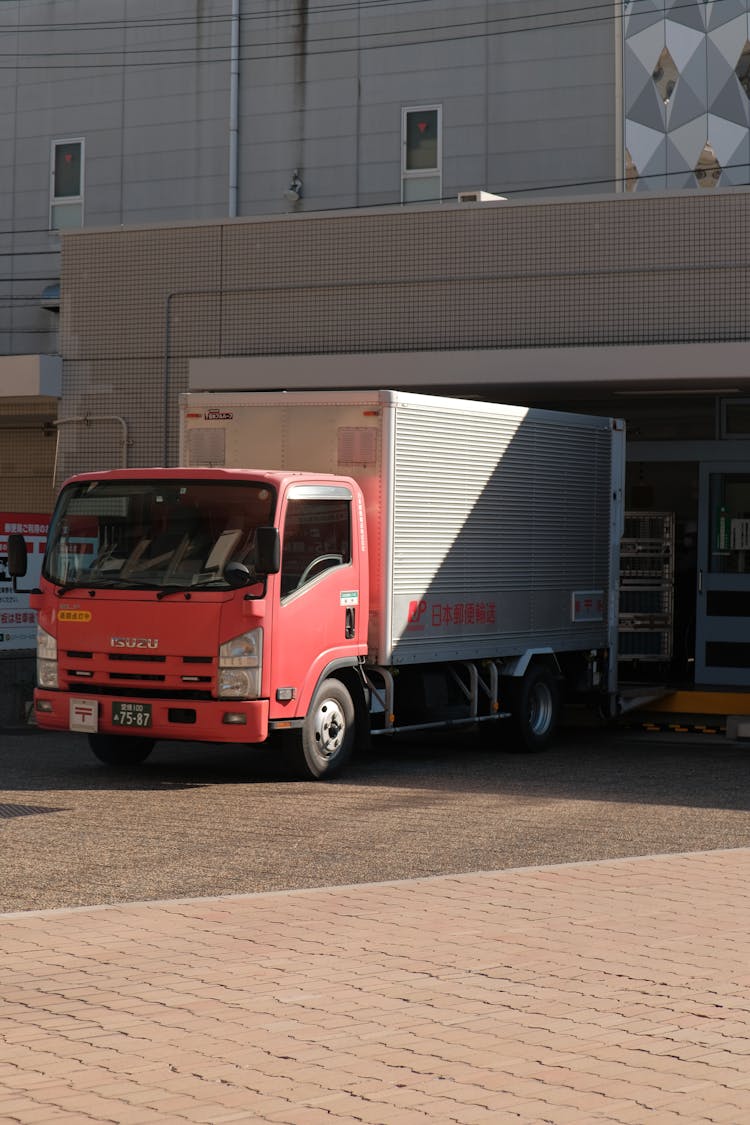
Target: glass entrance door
(722, 624)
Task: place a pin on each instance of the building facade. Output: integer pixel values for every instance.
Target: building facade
(271, 190)
(631, 305)
(203, 109)
(219, 108)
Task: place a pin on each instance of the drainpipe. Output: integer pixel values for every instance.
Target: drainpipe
(234, 110)
(166, 380)
(86, 420)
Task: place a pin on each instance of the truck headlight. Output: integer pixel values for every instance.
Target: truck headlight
(241, 665)
(46, 659)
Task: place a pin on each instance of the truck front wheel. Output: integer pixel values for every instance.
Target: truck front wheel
(535, 708)
(325, 743)
(120, 749)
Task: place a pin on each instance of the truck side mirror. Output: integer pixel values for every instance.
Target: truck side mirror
(18, 561)
(267, 550)
(17, 555)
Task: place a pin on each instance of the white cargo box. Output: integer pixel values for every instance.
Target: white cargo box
(492, 529)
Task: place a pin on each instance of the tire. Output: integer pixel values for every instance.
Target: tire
(535, 707)
(325, 743)
(120, 749)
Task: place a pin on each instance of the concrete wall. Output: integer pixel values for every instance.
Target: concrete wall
(145, 89)
(526, 89)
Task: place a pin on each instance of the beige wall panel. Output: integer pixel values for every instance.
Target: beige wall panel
(27, 458)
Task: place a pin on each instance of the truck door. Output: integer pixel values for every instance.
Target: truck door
(319, 616)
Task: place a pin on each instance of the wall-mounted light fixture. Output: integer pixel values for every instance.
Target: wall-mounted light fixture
(294, 192)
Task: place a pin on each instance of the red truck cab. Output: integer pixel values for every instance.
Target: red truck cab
(205, 605)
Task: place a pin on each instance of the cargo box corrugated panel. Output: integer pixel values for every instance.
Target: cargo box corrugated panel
(500, 516)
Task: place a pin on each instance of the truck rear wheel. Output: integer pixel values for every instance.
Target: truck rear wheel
(535, 708)
(325, 743)
(120, 749)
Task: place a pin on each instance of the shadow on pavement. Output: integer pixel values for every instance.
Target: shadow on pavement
(596, 765)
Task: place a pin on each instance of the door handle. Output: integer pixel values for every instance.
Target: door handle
(700, 580)
(349, 624)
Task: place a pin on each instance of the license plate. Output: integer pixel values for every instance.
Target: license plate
(136, 715)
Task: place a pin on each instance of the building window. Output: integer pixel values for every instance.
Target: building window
(708, 169)
(665, 76)
(742, 70)
(422, 153)
(66, 185)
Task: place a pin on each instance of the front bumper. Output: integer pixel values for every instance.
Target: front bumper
(236, 721)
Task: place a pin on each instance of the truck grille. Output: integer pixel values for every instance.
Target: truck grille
(144, 675)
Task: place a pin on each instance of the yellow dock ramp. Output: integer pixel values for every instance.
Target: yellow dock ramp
(696, 710)
(703, 702)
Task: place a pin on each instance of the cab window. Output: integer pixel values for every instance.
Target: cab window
(317, 537)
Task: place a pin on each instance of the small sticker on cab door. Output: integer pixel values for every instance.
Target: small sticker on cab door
(349, 597)
(73, 615)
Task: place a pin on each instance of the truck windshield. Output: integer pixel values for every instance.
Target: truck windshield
(146, 534)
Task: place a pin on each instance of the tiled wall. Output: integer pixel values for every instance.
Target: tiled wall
(629, 269)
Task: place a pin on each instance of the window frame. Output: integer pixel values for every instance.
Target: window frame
(412, 175)
(726, 430)
(311, 494)
(56, 201)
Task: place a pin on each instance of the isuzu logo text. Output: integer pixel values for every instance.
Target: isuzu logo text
(133, 642)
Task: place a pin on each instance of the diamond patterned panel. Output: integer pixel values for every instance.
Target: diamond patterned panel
(690, 13)
(640, 14)
(665, 75)
(720, 12)
(686, 75)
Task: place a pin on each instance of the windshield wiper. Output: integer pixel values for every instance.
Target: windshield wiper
(115, 584)
(165, 591)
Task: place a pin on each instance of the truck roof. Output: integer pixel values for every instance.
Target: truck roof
(274, 477)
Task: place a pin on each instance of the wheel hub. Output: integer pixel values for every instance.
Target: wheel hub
(329, 728)
(540, 709)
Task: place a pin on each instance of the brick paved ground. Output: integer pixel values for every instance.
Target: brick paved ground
(608, 992)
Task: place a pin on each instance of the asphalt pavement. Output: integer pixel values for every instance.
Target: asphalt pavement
(198, 821)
